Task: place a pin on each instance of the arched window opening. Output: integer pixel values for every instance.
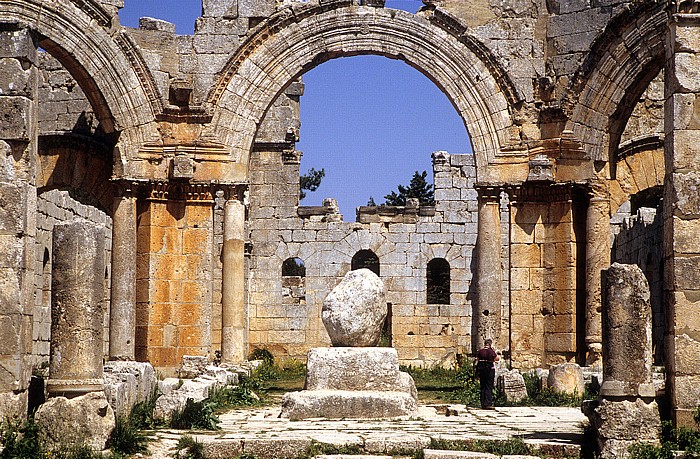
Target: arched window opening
(365, 259)
(293, 267)
(293, 281)
(438, 281)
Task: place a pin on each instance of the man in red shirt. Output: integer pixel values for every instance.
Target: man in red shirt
(485, 358)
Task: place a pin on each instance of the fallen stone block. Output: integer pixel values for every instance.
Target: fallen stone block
(85, 420)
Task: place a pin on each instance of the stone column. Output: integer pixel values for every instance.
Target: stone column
(234, 333)
(77, 292)
(682, 212)
(626, 412)
(488, 268)
(77, 412)
(122, 316)
(18, 159)
(597, 259)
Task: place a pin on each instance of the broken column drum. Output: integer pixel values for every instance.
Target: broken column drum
(627, 351)
(77, 292)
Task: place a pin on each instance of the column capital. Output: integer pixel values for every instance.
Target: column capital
(233, 191)
(488, 192)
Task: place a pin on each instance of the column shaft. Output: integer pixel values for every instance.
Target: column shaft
(122, 317)
(77, 293)
(234, 339)
(597, 259)
(488, 271)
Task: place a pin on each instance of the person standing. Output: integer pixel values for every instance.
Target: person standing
(485, 369)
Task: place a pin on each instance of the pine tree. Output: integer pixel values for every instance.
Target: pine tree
(310, 181)
(418, 188)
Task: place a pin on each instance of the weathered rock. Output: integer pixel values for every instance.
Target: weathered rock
(192, 366)
(512, 385)
(195, 389)
(566, 378)
(621, 423)
(336, 404)
(85, 420)
(627, 350)
(355, 310)
(128, 383)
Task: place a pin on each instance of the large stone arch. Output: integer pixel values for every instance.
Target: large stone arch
(103, 61)
(622, 62)
(298, 39)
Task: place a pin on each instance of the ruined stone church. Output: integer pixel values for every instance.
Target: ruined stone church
(583, 118)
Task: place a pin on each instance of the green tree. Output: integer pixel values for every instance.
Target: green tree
(418, 188)
(371, 202)
(310, 181)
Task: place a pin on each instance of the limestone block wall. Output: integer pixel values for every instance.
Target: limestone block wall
(173, 280)
(56, 206)
(422, 333)
(63, 106)
(638, 240)
(544, 275)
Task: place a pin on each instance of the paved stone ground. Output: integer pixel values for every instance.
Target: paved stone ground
(556, 430)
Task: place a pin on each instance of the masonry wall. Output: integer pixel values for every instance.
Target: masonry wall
(404, 243)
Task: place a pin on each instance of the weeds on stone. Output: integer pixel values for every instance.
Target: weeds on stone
(672, 440)
(127, 438)
(195, 415)
(20, 440)
(189, 448)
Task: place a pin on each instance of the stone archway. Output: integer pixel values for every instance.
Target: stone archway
(298, 39)
(105, 64)
(623, 60)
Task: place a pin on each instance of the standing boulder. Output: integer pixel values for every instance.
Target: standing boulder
(512, 385)
(566, 378)
(355, 310)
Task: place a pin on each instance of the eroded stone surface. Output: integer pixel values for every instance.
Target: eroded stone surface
(354, 311)
(84, 420)
(566, 378)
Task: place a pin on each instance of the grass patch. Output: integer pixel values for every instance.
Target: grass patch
(189, 448)
(195, 415)
(672, 439)
(512, 446)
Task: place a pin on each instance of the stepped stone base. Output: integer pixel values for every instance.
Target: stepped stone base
(337, 404)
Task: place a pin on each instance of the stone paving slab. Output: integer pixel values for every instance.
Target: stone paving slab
(556, 430)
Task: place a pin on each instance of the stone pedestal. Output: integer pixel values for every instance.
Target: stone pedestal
(358, 383)
(619, 424)
(84, 420)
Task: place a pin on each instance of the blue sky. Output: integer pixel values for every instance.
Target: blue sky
(369, 121)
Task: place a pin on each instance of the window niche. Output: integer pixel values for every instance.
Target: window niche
(365, 259)
(293, 281)
(438, 281)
